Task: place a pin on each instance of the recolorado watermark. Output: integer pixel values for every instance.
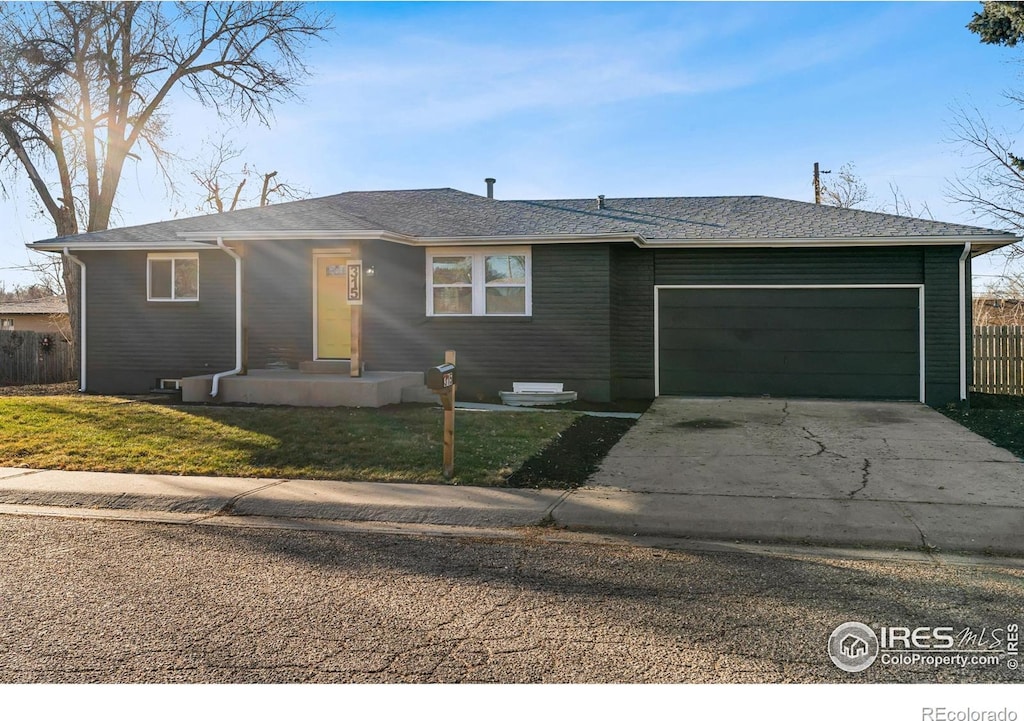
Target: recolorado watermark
(940, 713)
(855, 647)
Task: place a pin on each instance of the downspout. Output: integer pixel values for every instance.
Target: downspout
(238, 319)
(963, 320)
(81, 319)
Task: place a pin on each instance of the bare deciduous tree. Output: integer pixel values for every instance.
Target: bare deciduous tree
(899, 205)
(847, 190)
(84, 87)
(223, 183)
(993, 185)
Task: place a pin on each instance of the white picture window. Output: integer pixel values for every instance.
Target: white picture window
(172, 276)
(480, 281)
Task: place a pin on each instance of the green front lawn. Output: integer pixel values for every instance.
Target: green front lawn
(999, 418)
(398, 443)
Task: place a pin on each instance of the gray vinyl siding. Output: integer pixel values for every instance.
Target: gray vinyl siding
(592, 326)
(632, 285)
(279, 302)
(789, 266)
(566, 340)
(942, 325)
(131, 342)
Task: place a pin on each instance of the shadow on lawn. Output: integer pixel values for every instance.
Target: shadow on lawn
(391, 444)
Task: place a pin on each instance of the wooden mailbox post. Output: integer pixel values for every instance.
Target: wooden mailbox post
(441, 380)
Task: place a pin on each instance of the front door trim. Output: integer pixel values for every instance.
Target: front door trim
(318, 253)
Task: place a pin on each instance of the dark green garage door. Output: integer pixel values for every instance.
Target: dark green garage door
(791, 342)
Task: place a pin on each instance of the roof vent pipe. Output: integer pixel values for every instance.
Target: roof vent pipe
(490, 186)
(600, 202)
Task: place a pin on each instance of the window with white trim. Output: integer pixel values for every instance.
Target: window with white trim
(172, 277)
(7, 323)
(480, 281)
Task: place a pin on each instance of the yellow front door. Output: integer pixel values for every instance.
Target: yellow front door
(333, 315)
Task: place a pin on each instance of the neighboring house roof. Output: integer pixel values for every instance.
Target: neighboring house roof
(54, 305)
(444, 213)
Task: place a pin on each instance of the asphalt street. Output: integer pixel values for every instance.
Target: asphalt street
(108, 601)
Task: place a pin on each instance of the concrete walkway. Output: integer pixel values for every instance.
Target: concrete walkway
(847, 474)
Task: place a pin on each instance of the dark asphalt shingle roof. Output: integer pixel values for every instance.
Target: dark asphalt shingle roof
(445, 212)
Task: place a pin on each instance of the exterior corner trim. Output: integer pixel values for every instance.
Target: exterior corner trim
(962, 266)
(81, 321)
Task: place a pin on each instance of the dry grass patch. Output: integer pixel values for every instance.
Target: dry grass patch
(398, 443)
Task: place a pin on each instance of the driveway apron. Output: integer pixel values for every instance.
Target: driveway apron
(862, 473)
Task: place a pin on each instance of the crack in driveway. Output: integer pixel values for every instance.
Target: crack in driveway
(822, 448)
(865, 473)
(926, 546)
(785, 413)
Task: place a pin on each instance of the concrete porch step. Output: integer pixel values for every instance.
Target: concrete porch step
(293, 388)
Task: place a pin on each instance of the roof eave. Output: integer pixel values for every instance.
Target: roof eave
(57, 246)
(531, 239)
(990, 242)
(193, 240)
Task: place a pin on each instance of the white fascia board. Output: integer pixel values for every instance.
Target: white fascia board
(99, 245)
(827, 242)
(203, 239)
(643, 242)
(545, 239)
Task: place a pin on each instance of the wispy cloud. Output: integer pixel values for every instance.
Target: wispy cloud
(426, 82)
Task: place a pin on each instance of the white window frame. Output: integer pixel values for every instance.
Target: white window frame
(150, 257)
(479, 284)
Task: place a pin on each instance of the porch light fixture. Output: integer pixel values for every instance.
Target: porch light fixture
(370, 272)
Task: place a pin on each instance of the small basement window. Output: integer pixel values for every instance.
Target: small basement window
(172, 276)
(480, 281)
(7, 323)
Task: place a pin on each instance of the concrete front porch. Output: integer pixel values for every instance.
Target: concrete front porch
(302, 388)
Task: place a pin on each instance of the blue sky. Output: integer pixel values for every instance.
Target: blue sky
(622, 99)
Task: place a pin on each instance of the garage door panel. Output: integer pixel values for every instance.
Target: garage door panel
(760, 340)
(775, 318)
(862, 363)
(780, 320)
(812, 386)
(784, 297)
(832, 343)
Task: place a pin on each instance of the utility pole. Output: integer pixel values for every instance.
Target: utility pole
(817, 183)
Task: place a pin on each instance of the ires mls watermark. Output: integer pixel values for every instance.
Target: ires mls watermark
(855, 646)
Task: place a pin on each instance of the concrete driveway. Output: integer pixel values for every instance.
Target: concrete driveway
(857, 473)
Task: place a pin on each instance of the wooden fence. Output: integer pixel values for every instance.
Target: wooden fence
(32, 358)
(999, 359)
